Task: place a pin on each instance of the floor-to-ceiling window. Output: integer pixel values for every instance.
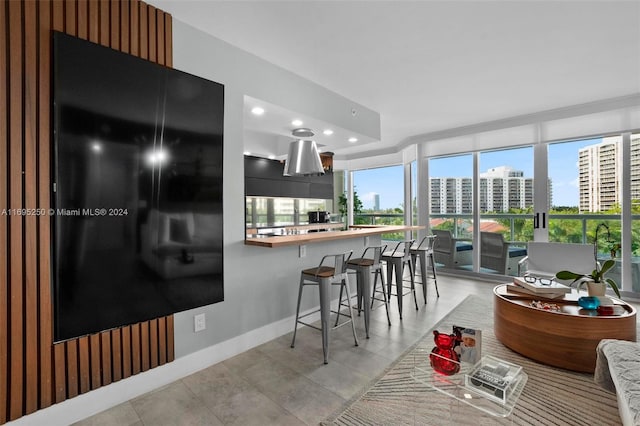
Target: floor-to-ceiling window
(506, 208)
(451, 207)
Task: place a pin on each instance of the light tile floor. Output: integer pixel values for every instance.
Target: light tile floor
(274, 384)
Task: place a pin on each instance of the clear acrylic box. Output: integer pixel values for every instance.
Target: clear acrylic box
(494, 377)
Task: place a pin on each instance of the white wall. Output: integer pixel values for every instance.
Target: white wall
(260, 284)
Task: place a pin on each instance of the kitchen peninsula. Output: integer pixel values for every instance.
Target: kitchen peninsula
(317, 237)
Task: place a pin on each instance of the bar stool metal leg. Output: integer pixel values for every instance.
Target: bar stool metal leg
(295, 326)
(353, 324)
(432, 260)
(325, 305)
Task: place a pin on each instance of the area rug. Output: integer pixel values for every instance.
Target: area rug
(551, 396)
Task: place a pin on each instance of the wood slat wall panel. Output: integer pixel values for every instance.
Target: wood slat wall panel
(4, 291)
(30, 197)
(35, 372)
(16, 265)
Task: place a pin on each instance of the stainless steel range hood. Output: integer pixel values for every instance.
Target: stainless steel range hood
(303, 158)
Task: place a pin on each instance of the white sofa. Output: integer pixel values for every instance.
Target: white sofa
(618, 370)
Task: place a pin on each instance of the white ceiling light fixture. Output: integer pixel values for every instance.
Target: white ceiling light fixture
(257, 111)
(297, 122)
(303, 158)
(352, 139)
(328, 132)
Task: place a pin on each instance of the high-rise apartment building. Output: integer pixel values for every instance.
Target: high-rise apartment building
(501, 188)
(600, 174)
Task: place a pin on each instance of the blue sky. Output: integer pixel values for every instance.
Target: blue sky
(562, 164)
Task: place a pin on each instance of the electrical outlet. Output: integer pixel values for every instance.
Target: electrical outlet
(199, 323)
(303, 251)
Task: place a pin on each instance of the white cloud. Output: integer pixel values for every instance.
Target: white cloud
(575, 182)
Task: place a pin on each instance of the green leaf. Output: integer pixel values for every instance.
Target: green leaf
(568, 275)
(614, 286)
(606, 266)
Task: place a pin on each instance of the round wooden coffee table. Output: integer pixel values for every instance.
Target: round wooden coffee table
(565, 339)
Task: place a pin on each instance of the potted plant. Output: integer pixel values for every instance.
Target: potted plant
(596, 281)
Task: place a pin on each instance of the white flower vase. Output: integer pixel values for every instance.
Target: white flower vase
(594, 288)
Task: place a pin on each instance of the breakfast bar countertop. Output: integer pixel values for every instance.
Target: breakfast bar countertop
(317, 237)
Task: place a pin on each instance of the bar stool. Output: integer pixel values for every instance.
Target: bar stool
(397, 259)
(423, 251)
(363, 267)
(324, 277)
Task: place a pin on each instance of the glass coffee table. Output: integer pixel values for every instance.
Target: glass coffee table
(454, 386)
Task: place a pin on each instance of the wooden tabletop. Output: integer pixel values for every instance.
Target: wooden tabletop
(318, 237)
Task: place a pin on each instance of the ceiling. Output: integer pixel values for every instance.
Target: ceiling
(430, 66)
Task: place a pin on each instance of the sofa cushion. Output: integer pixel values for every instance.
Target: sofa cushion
(618, 370)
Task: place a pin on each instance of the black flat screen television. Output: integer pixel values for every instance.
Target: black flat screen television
(137, 189)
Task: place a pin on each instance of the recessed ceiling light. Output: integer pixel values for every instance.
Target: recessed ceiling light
(96, 147)
(247, 153)
(328, 132)
(297, 122)
(257, 110)
(271, 157)
(352, 139)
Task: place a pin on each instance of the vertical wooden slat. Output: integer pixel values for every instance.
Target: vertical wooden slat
(4, 302)
(70, 24)
(72, 368)
(136, 349)
(30, 202)
(152, 33)
(96, 362)
(115, 25)
(124, 26)
(58, 15)
(144, 31)
(170, 343)
(153, 343)
(168, 40)
(126, 352)
(59, 355)
(84, 365)
(116, 355)
(83, 19)
(105, 344)
(59, 377)
(134, 27)
(162, 340)
(16, 294)
(144, 346)
(160, 37)
(105, 16)
(94, 21)
(44, 282)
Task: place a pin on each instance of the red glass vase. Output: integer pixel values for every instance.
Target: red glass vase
(443, 358)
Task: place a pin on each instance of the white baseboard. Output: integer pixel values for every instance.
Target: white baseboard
(90, 403)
